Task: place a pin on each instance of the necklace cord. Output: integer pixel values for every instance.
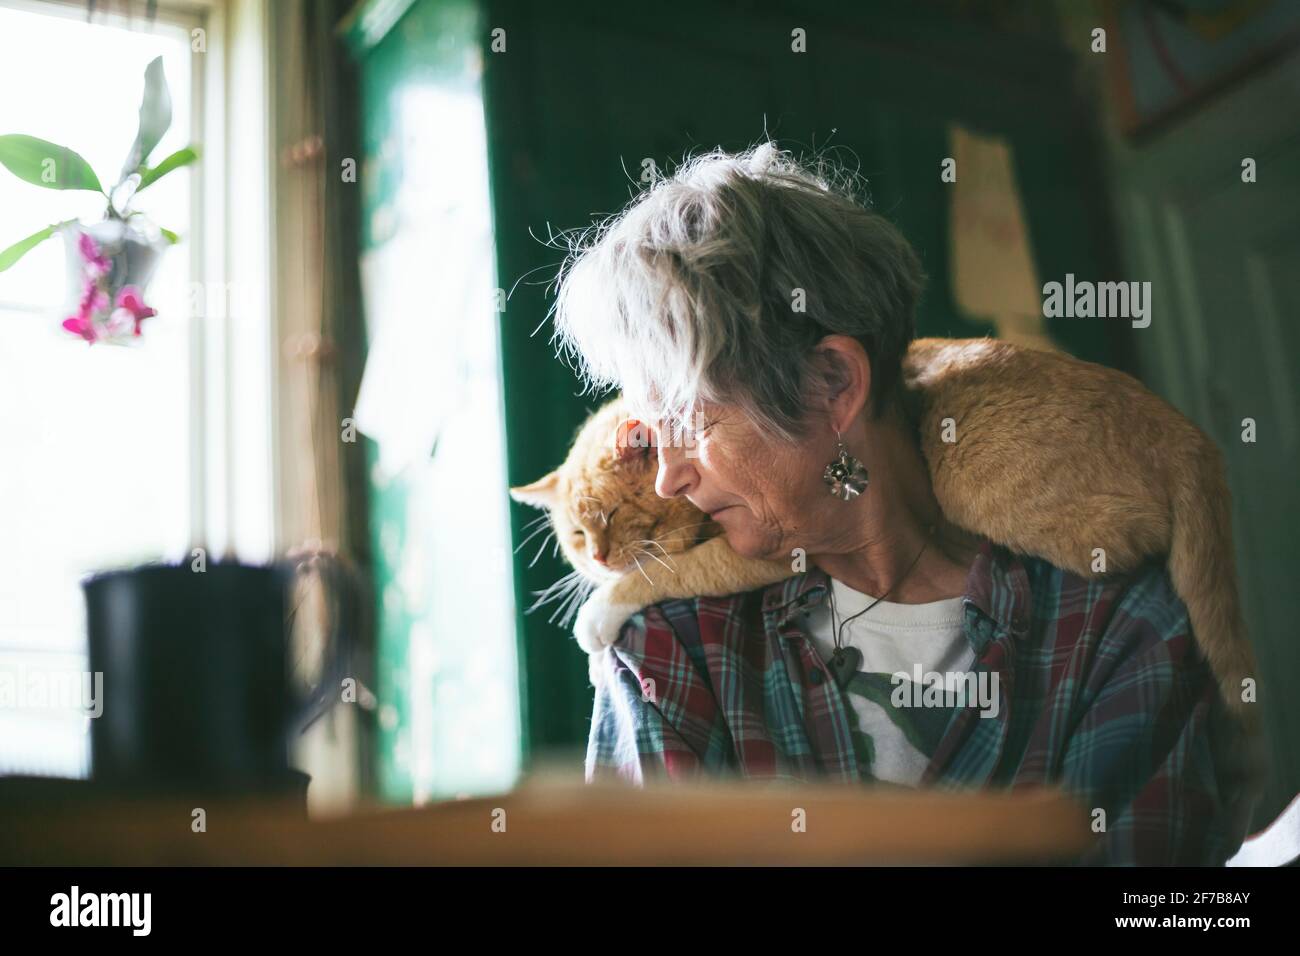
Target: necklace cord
(839, 632)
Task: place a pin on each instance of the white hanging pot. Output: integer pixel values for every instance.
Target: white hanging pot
(110, 265)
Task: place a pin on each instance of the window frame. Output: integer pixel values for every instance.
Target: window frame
(233, 464)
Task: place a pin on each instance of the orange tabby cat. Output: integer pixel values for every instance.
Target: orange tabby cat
(628, 547)
(1045, 454)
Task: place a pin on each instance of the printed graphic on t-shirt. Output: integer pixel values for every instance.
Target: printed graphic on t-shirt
(918, 729)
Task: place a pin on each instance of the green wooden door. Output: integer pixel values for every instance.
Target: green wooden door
(431, 400)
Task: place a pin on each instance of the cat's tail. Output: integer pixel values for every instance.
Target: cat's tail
(1203, 572)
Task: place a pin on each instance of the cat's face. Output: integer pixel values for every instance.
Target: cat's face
(603, 508)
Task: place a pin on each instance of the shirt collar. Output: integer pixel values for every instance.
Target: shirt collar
(997, 587)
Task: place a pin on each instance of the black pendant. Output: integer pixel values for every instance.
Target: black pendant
(844, 663)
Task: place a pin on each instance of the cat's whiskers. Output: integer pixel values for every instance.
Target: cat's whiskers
(675, 535)
(641, 569)
(696, 524)
(576, 598)
(685, 527)
(558, 582)
(570, 591)
(651, 554)
(656, 544)
(541, 549)
(530, 538)
(545, 516)
(557, 589)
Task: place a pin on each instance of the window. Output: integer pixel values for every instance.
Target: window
(109, 452)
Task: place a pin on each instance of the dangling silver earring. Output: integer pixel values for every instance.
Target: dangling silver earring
(846, 475)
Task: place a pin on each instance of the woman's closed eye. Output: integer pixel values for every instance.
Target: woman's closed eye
(705, 419)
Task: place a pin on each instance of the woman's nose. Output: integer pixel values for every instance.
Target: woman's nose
(676, 474)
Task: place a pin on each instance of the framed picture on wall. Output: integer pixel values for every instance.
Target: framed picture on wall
(1168, 56)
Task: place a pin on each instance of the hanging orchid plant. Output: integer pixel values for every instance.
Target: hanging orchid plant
(110, 262)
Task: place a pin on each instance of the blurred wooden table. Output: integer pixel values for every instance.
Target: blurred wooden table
(570, 823)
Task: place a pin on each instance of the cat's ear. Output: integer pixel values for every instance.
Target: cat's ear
(542, 493)
(634, 441)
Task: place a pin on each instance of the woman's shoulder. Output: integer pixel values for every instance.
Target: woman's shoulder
(1136, 608)
(1148, 583)
(1081, 639)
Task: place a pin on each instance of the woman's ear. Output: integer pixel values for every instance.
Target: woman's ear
(542, 493)
(846, 377)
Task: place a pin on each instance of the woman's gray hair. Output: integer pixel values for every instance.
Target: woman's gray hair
(716, 283)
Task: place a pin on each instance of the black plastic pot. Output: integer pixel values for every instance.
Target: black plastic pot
(196, 690)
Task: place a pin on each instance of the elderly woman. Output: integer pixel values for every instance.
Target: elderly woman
(749, 303)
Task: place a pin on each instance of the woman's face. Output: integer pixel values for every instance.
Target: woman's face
(766, 494)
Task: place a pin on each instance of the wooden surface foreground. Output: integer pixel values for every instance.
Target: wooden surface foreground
(572, 824)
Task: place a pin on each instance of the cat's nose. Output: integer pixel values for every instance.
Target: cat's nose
(598, 557)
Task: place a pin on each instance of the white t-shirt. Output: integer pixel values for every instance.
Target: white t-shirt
(895, 743)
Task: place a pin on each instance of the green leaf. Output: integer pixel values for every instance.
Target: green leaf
(23, 246)
(47, 164)
(155, 117)
(151, 174)
(169, 235)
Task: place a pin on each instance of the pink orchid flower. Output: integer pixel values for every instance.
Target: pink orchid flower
(120, 323)
(97, 264)
(93, 300)
(79, 325)
(132, 300)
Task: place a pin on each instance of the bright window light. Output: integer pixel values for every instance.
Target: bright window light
(95, 461)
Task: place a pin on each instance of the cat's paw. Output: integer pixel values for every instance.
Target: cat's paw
(600, 620)
(596, 667)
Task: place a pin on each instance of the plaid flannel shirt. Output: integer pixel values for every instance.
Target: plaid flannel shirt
(1102, 692)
